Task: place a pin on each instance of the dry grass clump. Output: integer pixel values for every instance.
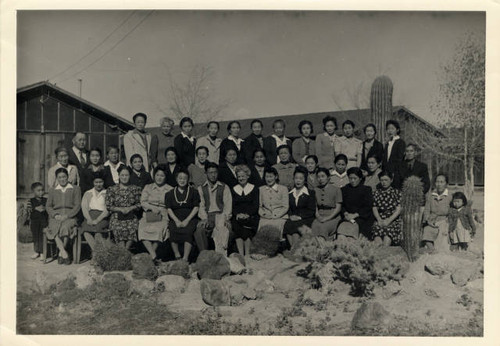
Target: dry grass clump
(266, 241)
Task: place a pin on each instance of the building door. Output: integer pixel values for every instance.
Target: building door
(29, 162)
(52, 142)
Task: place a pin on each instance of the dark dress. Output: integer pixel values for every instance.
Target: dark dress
(270, 149)
(226, 175)
(255, 177)
(182, 205)
(305, 208)
(386, 201)
(87, 178)
(251, 144)
(170, 175)
(141, 180)
(359, 200)
(123, 226)
(40, 220)
(397, 155)
(377, 150)
(245, 204)
(228, 144)
(419, 169)
(185, 150)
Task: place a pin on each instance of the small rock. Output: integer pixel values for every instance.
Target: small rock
(313, 296)
(235, 266)
(258, 256)
(215, 292)
(166, 298)
(250, 294)
(143, 287)
(41, 282)
(143, 267)
(477, 284)
(85, 276)
(435, 268)
(238, 256)
(431, 293)
(178, 267)
(461, 276)
(370, 315)
(170, 283)
(212, 265)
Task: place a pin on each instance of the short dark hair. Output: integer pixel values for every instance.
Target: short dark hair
(324, 170)
(97, 175)
(340, 157)
(386, 173)
(376, 157)
(213, 122)
(159, 168)
(459, 195)
(283, 146)
(444, 175)
(259, 150)
(201, 147)
(231, 124)
(96, 149)
(394, 123)
(142, 115)
(416, 147)
(348, 122)
(172, 149)
(133, 157)
(301, 169)
(211, 165)
(186, 120)
(327, 119)
(112, 147)
(255, 121)
(370, 125)
(314, 157)
(59, 149)
(35, 185)
(355, 170)
(122, 167)
(270, 170)
(183, 171)
(277, 121)
(61, 170)
(305, 122)
(230, 149)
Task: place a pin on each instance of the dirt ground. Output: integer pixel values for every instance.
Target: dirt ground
(420, 304)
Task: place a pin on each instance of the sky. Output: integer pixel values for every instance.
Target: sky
(262, 63)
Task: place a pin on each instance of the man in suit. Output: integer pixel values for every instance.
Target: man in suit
(78, 154)
(411, 167)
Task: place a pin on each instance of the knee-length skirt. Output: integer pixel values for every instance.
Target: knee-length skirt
(101, 227)
(124, 230)
(326, 229)
(393, 231)
(66, 228)
(154, 231)
(244, 229)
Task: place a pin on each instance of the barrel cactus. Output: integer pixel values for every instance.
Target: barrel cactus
(411, 209)
(381, 103)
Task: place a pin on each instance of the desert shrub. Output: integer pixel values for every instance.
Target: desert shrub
(23, 229)
(266, 241)
(358, 263)
(109, 256)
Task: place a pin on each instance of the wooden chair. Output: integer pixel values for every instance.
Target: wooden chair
(77, 245)
(52, 243)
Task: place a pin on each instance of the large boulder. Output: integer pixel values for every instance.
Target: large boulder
(235, 265)
(461, 276)
(170, 283)
(142, 287)
(143, 267)
(179, 267)
(215, 292)
(212, 265)
(369, 316)
(435, 268)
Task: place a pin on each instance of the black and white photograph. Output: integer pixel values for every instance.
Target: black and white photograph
(250, 172)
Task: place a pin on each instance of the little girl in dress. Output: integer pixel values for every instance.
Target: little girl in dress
(461, 222)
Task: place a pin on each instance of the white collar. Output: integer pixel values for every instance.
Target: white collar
(328, 135)
(235, 140)
(217, 183)
(94, 191)
(108, 163)
(63, 189)
(68, 168)
(284, 140)
(274, 187)
(444, 194)
(247, 189)
(186, 136)
(395, 138)
(337, 174)
(297, 193)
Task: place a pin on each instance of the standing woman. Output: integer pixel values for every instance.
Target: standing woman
(371, 147)
(138, 141)
(227, 170)
(303, 146)
(329, 205)
(388, 226)
(302, 203)
(95, 166)
(254, 141)
(123, 201)
(111, 166)
(372, 174)
(273, 203)
(63, 205)
(211, 142)
(234, 142)
(274, 141)
(257, 176)
(154, 223)
(185, 142)
(94, 211)
(63, 162)
(349, 145)
(172, 167)
(245, 217)
(182, 203)
(139, 175)
(162, 141)
(394, 151)
(312, 169)
(326, 143)
(357, 207)
(196, 170)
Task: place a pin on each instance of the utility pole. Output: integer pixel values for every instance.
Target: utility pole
(80, 86)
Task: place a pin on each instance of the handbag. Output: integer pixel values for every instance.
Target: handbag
(129, 216)
(153, 217)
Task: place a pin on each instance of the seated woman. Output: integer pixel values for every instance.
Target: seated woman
(372, 180)
(257, 176)
(172, 167)
(338, 176)
(63, 205)
(329, 205)
(140, 177)
(304, 146)
(273, 203)
(182, 204)
(356, 208)
(196, 170)
(227, 170)
(233, 141)
(124, 201)
(154, 223)
(386, 209)
(94, 211)
(95, 165)
(245, 217)
(435, 219)
(302, 203)
(312, 170)
(285, 167)
(62, 158)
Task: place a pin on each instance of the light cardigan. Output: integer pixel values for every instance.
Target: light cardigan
(134, 144)
(64, 203)
(273, 202)
(301, 150)
(325, 149)
(73, 176)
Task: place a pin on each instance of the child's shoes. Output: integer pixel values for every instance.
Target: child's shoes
(35, 255)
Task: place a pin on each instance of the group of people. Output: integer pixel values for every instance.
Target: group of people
(208, 192)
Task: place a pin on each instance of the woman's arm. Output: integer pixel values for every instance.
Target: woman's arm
(193, 213)
(172, 216)
(282, 208)
(144, 201)
(85, 206)
(49, 206)
(77, 197)
(394, 215)
(376, 214)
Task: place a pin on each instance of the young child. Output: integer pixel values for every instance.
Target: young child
(461, 222)
(284, 167)
(338, 176)
(140, 177)
(39, 219)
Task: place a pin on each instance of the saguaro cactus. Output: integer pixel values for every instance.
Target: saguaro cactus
(411, 209)
(381, 104)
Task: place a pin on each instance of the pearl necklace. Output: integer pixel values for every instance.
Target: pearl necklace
(177, 199)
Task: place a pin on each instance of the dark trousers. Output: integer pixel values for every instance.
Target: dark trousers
(37, 227)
